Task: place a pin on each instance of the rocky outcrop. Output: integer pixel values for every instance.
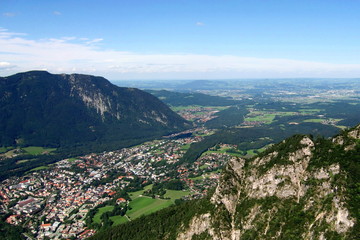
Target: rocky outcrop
(355, 133)
(198, 225)
(294, 190)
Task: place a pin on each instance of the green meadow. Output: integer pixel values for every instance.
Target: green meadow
(118, 219)
(37, 150)
(142, 205)
(174, 194)
(39, 168)
(146, 205)
(32, 150)
(315, 120)
(97, 217)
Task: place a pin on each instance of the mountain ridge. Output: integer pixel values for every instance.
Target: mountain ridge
(84, 107)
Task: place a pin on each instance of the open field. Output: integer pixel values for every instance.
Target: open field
(136, 194)
(38, 150)
(118, 219)
(146, 205)
(198, 178)
(72, 160)
(11, 153)
(309, 110)
(212, 151)
(249, 153)
(32, 150)
(327, 121)
(22, 161)
(97, 217)
(174, 194)
(143, 205)
(268, 117)
(224, 151)
(315, 120)
(5, 149)
(185, 147)
(261, 117)
(38, 168)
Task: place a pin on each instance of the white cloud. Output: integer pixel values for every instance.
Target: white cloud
(57, 13)
(200, 24)
(82, 55)
(6, 66)
(4, 33)
(96, 40)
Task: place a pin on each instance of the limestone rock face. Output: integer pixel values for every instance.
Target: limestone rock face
(198, 225)
(355, 133)
(297, 189)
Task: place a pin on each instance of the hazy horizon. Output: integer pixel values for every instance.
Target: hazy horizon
(132, 40)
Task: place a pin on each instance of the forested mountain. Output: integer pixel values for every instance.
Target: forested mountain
(300, 188)
(43, 109)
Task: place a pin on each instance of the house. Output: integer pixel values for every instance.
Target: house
(11, 219)
(111, 193)
(121, 200)
(45, 226)
(25, 202)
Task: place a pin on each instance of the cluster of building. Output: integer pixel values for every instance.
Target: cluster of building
(53, 203)
(198, 114)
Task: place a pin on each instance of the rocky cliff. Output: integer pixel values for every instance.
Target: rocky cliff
(302, 188)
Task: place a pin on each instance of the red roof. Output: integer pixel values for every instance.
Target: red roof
(111, 193)
(27, 201)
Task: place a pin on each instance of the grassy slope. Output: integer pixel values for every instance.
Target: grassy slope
(38, 150)
(100, 212)
(143, 205)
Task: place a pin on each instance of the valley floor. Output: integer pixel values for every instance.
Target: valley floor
(74, 197)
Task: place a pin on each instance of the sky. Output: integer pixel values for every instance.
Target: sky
(182, 39)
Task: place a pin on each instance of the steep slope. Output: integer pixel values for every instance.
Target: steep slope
(39, 108)
(301, 188)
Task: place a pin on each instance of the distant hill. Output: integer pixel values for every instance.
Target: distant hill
(43, 109)
(186, 99)
(202, 84)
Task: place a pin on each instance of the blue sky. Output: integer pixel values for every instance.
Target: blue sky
(182, 39)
